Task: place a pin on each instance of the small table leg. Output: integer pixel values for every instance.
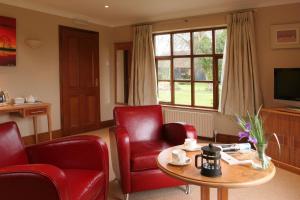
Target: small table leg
(35, 129)
(222, 194)
(49, 122)
(205, 194)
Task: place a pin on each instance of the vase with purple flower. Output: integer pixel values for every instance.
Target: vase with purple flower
(252, 129)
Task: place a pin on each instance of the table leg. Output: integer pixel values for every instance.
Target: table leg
(49, 122)
(222, 193)
(35, 129)
(205, 194)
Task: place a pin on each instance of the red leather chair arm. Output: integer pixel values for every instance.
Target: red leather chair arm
(34, 182)
(176, 133)
(123, 147)
(76, 152)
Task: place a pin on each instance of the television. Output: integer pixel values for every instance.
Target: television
(287, 83)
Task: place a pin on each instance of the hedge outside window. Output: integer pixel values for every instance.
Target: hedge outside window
(189, 67)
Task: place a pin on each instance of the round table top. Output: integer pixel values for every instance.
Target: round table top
(233, 176)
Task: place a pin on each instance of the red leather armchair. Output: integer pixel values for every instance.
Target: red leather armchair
(140, 136)
(72, 168)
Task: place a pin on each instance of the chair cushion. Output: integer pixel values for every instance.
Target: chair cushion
(143, 154)
(84, 184)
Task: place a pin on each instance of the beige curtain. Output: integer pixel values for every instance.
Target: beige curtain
(143, 85)
(241, 89)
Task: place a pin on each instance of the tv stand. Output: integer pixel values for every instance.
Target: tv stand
(289, 109)
(285, 123)
(296, 108)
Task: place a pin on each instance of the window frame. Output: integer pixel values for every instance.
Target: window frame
(215, 58)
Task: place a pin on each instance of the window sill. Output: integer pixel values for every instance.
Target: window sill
(190, 108)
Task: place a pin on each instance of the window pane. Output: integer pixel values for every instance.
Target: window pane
(164, 69)
(163, 45)
(164, 91)
(220, 62)
(202, 42)
(182, 93)
(182, 68)
(204, 94)
(203, 69)
(181, 44)
(220, 36)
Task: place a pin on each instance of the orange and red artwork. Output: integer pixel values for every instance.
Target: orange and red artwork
(7, 41)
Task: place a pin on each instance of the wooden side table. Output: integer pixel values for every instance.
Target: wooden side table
(233, 176)
(31, 110)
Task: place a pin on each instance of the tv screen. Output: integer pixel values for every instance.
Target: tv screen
(287, 83)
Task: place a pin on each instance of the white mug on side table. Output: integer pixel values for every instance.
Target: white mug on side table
(190, 143)
(30, 99)
(178, 156)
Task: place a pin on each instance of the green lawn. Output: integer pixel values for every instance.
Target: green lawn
(203, 94)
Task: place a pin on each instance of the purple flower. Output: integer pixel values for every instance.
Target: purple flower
(248, 127)
(244, 134)
(252, 139)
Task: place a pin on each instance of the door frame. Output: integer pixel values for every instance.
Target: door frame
(60, 30)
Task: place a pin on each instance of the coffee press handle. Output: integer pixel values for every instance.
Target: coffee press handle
(196, 161)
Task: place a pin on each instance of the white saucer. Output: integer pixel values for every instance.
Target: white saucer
(196, 148)
(187, 162)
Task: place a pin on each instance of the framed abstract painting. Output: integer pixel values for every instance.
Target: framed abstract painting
(7, 41)
(285, 36)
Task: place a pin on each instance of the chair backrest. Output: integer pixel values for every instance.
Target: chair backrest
(141, 122)
(12, 151)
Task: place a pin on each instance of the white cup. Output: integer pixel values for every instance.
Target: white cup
(190, 143)
(30, 99)
(178, 156)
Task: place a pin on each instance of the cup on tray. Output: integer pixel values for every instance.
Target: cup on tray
(190, 143)
(179, 156)
(30, 99)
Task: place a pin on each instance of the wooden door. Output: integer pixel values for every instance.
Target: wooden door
(79, 78)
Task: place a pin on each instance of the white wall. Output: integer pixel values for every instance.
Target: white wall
(37, 70)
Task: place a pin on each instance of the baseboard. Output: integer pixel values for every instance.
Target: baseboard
(42, 137)
(223, 138)
(287, 167)
(107, 123)
(206, 138)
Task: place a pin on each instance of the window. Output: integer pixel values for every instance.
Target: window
(189, 66)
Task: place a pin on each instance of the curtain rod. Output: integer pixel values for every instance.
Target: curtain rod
(244, 10)
(142, 24)
(188, 18)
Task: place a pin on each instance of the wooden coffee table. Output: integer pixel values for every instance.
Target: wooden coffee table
(233, 176)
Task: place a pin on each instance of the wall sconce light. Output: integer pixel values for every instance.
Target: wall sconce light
(33, 43)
